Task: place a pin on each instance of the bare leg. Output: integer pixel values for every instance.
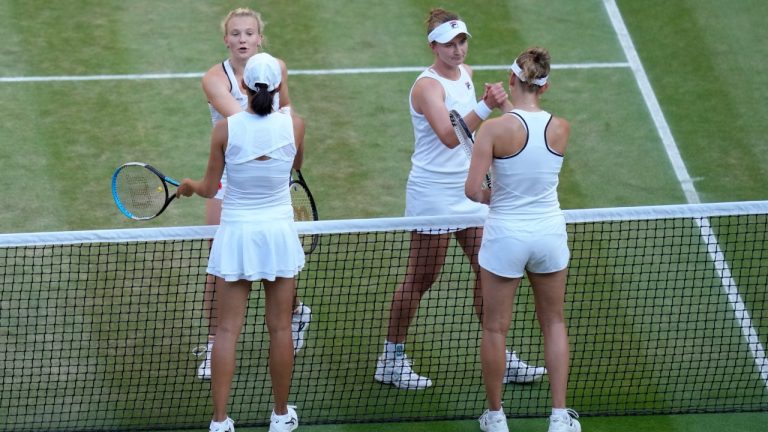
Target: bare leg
(232, 302)
(549, 296)
(470, 240)
(278, 301)
(212, 283)
(498, 301)
(426, 258)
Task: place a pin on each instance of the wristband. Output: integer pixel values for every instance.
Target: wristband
(482, 110)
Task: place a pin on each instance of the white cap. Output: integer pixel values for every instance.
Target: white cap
(262, 68)
(447, 31)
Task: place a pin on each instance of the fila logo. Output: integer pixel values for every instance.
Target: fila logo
(454, 24)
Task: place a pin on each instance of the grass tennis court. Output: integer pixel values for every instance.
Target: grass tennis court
(63, 137)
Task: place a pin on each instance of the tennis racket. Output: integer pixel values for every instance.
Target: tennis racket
(304, 209)
(466, 141)
(141, 191)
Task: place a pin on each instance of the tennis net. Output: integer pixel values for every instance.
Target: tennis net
(666, 308)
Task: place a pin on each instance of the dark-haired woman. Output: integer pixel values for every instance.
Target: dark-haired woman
(256, 239)
(243, 31)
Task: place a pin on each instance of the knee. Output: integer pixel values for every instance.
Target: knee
(495, 324)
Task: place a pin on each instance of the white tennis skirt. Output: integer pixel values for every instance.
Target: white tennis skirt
(256, 250)
(439, 199)
(510, 247)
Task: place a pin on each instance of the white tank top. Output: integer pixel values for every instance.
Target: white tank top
(525, 184)
(258, 184)
(432, 161)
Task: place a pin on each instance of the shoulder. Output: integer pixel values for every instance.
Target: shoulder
(427, 83)
(506, 124)
(557, 133)
(282, 64)
(215, 77)
(215, 72)
(468, 68)
(559, 126)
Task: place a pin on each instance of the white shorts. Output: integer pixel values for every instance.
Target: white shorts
(510, 247)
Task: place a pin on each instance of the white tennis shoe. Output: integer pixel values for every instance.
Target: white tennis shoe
(519, 372)
(226, 426)
(299, 324)
(399, 373)
(284, 423)
(566, 423)
(493, 421)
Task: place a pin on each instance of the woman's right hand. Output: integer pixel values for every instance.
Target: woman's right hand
(495, 95)
(186, 188)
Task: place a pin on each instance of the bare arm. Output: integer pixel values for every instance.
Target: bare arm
(298, 136)
(428, 98)
(216, 88)
(482, 155)
(285, 98)
(209, 185)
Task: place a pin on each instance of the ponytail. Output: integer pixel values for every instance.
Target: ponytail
(260, 100)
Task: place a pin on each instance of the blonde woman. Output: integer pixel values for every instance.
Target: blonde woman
(436, 187)
(243, 35)
(524, 233)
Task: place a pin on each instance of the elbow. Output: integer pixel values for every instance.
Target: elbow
(472, 194)
(208, 192)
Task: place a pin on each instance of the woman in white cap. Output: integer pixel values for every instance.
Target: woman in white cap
(257, 239)
(524, 233)
(243, 31)
(436, 187)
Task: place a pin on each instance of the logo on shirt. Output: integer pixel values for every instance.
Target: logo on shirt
(468, 84)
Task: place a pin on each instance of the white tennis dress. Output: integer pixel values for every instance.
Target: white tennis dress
(525, 228)
(436, 182)
(257, 238)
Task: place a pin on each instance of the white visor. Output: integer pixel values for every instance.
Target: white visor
(446, 31)
(519, 74)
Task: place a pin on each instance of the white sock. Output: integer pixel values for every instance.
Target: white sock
(560, 413)
(221, 424)
(499, 413)
(393, 350)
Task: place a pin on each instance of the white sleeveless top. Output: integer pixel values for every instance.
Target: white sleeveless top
(257, 237)
(432, 161)
(242, 99)
(254, 185)
(525, 183)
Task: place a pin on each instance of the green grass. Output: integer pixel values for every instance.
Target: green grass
(706, 63)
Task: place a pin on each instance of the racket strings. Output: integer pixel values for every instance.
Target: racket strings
(140, 191)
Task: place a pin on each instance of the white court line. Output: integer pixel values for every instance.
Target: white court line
(349, 71)
(715, 252)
